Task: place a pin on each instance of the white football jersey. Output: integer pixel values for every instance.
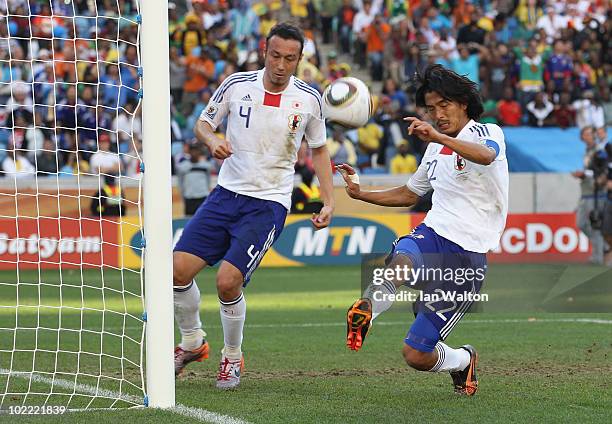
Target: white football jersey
(265, 131)
(470, 201)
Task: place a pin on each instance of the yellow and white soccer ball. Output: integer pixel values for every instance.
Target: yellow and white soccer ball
(347, 101)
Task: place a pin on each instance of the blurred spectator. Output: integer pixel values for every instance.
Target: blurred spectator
(346, 14)
(309, 78)
(447, 46)
(114, 95)
(552, 23)
(413, 61)
(376, 36)
(266, 21)
(194, 178)
(467, 63)
(582, 76)
(178, 75)
(109, 199)
(539, 111)
(341, 149)
(531, 72)
(361, 22)
(74, 165)
(333, 67)
(16, 165)
(489, 114)
(190, 37)
(200, 70)
(394, 94)
(329, 9)
(127, 124)
(564, 114)
(369, 138)
(104, 161)
(593, 197)
(602, 138)
(509, 110)
(46, 158)
(403, 162)
(589, 113)
(471, 33)
(306, 197)
(298, 8)
(245, 24)
(559, 66)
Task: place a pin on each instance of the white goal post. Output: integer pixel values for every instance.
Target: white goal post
(86, 300)
(158, 204)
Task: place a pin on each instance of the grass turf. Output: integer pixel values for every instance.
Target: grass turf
(534, 365)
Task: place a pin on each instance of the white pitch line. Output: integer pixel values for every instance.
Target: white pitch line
(202, 415)
(472, 321)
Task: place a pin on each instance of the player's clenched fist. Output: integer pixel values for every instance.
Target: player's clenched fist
(220, 149)
(351, 179)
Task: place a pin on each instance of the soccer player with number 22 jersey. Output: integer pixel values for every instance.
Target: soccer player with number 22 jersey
(465, 165)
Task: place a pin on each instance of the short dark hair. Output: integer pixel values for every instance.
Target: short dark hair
(286, 31)
(451, 86)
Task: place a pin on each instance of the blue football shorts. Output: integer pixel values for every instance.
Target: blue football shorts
(235, 228)
(450, 273)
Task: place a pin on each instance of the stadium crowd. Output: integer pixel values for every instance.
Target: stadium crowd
(70, 72)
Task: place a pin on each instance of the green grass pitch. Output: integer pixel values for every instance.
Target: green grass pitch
(535, 365)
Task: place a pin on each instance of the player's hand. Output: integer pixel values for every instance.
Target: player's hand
(578, 174)
(422, 129)
(352, 189)
(323, 218)
(220, 149)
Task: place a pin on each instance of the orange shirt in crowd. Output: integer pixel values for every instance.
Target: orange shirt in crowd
(376, 39)
(198, 72)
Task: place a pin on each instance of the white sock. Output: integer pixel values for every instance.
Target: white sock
(187, 315)
(450, 359)
(383, 291)
(233, 314)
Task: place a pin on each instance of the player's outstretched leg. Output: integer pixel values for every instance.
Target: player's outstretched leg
(233, 314)
(376, 300)
(193, 346)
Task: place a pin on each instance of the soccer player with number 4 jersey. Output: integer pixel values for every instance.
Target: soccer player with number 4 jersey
(465, 166)
(269, 112)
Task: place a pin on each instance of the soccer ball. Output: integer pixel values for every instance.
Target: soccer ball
(347, 101)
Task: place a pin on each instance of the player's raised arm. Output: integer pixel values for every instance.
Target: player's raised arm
(394, 197)
(483, 154)
(320, 162)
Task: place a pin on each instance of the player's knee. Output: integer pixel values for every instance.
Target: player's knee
(229, 285)
(180, 277)
(416, 359)
(181, 272)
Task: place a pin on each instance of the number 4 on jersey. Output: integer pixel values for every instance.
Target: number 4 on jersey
(247, 116)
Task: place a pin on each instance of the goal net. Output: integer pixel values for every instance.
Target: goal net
(72, 305)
